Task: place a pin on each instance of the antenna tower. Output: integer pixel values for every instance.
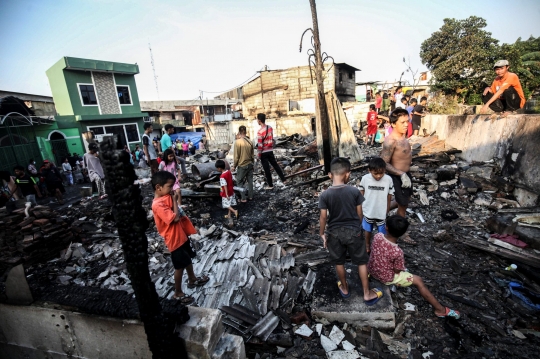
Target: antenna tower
(153, 69)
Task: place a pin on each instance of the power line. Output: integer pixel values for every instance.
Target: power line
(255, 74)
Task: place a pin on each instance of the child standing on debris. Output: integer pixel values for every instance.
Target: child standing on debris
(387, 264)
(227, 189)
(169, 164)
(95, 170)
(377, 188)
(372, 122)
(175, 229)
(341, 209)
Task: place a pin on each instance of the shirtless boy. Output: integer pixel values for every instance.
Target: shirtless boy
(397, 154)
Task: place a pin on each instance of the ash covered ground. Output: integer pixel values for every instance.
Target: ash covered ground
(495, 323)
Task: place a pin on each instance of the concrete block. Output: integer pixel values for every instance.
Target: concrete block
(329, 306)
(230, 347)
(17, 289)
(201, 332)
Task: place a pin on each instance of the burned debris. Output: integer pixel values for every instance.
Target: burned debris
(265, 270)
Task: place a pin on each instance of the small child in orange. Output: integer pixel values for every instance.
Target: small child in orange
(175, 228)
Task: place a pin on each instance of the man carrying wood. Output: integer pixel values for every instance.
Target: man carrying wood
(397, 154)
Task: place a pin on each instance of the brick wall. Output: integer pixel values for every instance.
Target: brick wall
(222, 134)
(278, 87)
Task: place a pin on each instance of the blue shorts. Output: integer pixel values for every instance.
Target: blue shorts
(368, 227)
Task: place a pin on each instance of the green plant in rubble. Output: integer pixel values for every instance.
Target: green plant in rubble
(443, 105)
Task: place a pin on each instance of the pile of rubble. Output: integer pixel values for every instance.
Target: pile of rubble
(32, 235)
(466, 224)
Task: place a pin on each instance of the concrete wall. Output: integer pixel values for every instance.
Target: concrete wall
(36, 332)
(222, 134)
(33, 332)
(513, 142)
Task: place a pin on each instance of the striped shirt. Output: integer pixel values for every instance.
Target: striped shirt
(265, 140)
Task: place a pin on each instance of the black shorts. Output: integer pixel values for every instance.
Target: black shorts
(402, 195)
(181, 256)
(416, 123)
(51, 187)
(341, 240)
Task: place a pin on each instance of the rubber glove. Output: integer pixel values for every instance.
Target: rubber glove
(405, 181)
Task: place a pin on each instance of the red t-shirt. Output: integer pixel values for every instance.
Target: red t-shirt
(378, 102)
(225, 180)
(172, 232)
(371, 118)
(384, 257)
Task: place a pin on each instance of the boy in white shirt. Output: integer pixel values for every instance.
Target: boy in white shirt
(377, 188)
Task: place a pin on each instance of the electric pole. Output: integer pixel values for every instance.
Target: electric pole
(323, 111)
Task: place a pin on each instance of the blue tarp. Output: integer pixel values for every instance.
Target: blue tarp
(195, 137)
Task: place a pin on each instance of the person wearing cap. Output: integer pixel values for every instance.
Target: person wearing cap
(95, 170)
(505, 94)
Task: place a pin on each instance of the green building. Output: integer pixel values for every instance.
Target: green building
(93, 98)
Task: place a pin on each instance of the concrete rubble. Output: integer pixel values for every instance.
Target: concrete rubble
(269, 273)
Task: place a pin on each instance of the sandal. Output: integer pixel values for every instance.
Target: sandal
(450, 313)
(104, 196)
(184, 299)
(341, 292)
(373, 301)
(198, 282)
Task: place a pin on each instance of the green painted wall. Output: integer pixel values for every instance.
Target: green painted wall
(59, 89)
(129, 80)
(72, 78)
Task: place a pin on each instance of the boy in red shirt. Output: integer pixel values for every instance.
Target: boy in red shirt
(175, 228)
(372, 124)
(227, 189)
(387, 264)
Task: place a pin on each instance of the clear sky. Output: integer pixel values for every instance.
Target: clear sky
(214, 45)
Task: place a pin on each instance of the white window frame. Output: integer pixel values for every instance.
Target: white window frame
(80, 94)
(89, 128)
(129, 90)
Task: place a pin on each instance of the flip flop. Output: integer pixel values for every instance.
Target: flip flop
(374, 301)
(184, 299)
(198, 282)
(450, 313)
(341, 292)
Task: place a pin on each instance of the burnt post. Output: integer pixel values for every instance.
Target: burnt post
(131, 222)
(317, 66)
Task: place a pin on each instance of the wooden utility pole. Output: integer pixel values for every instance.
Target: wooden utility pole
(322, 121)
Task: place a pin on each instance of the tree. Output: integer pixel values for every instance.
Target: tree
(528, 68)
(460, 56)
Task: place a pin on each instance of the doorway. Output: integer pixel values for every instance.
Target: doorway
(59, 147)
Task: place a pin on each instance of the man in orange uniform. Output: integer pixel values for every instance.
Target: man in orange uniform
(505, 94)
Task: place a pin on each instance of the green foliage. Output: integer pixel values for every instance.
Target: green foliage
(443, 104)
(461, 55)
(474, 99)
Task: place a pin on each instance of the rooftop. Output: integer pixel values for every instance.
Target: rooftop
(74, 63)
